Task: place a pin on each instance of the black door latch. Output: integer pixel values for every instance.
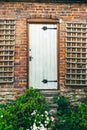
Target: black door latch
(46, 81)
(45, 28)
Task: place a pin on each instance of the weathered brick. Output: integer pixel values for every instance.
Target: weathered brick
(21, 11)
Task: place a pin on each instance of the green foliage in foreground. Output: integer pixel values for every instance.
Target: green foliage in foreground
(28, 111)
(70, 117)
(31, 112)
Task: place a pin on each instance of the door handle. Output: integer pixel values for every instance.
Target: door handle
(30, 58)
(46, 81)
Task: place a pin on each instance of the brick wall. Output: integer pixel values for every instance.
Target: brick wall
(21, 11)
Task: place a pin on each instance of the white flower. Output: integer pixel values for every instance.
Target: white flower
(42, 115)
(42, 127)
(33, 113)
(1, 116)
(34, 127)
(46, 112)
(52, 118)
(46, 122)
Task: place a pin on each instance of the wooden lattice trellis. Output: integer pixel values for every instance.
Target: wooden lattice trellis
(7, 44)
(76, 54)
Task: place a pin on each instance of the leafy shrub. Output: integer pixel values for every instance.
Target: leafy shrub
(70, 117)
(28, 111)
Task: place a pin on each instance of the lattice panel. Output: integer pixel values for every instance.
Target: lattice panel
(7, 44)
(76, 54)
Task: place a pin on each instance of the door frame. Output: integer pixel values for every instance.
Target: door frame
(44, 21)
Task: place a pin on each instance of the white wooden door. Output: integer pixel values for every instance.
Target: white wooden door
(43, 56)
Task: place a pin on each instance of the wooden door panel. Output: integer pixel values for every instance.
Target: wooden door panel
(43, 53)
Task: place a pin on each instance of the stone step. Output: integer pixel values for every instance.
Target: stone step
(49, 95)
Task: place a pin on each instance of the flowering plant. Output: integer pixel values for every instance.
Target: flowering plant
(29, 112)
(42, 121)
